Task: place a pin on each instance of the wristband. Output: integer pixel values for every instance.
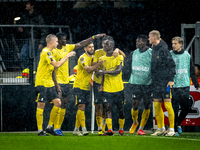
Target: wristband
(93, 37)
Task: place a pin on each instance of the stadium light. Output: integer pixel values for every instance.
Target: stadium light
(16, 19)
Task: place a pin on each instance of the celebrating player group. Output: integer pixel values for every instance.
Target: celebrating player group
(153, 72)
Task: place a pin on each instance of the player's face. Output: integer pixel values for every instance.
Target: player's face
(108, 46)
(103, 43)
(29, 7)
(176, 46)
(140, 43)
(151, 39)
(62, 41)
(54, 42)
(89, 49)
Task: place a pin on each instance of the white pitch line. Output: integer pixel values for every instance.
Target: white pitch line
(186, 139)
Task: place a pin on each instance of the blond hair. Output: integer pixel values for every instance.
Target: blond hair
(50, 37)
(155, 33)
(178, 39)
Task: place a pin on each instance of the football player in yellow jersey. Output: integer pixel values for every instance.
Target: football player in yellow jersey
(45, 86)
(82, 86)
(62, 73)
(100, 114)
(112, 86)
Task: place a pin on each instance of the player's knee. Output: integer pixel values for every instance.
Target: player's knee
(81, 107)
(57, 102)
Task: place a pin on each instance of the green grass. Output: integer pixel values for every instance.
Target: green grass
(29, 141)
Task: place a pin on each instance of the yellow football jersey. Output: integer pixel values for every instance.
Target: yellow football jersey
(112, 83)
(98, 53)
(83, 78)
(62, 73)
(45, 69)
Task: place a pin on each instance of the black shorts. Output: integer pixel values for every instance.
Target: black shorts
(45, 94)
(141, 91)
(65, 88)
(159, 91)
(114, 98)
(81, 96)
(181, 95)
(97, 93)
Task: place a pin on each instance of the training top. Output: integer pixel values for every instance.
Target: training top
(62, 73)
(83, 78)
(45, 69)
(112, 83)
(162, 65)
(141, 67)
(184, 69)
(98, 53)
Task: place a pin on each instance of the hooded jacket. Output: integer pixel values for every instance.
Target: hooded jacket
(162, 65)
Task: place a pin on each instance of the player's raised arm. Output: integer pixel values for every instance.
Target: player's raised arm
(87, 41)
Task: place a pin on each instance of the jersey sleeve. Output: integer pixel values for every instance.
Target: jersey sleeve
(120, 60)
(48, 57)
(84, 61)
(70, 47)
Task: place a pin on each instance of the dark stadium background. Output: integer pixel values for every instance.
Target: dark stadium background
(124, 24)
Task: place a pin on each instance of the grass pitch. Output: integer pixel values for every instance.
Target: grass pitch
(29, 141)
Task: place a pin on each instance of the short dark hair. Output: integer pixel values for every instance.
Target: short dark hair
(107, 37)
(32, 2)
(198, 66)
(60, 34)
(143, 37)
(89, 43)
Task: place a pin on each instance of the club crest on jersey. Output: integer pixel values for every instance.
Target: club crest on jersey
(79, 100)
(105, 100)
(48, 53)
(82, 59)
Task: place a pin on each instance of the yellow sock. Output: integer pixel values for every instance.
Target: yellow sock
(168, 106)
(98, 120)
(134, 114)
(53, 115)
(162, 117)
(77, 124)
(121, 123)
(109, 123)
(145, 117)
(39, 118)
(61, 117)
(157, 106)
(103, 128)
(56, 124)
(81, 117)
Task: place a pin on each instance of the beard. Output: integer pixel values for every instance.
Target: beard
(90, 53)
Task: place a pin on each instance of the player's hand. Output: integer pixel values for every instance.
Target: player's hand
(100, 73)
(71, 54)
(197, 88)
(99, 35)
(40, 47)
(100, 62)
(100, 88)
(20, 29)
(170, 83)
(116, 52)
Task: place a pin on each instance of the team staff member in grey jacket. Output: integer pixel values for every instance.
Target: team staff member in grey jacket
(180, 93)
(162, 74)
